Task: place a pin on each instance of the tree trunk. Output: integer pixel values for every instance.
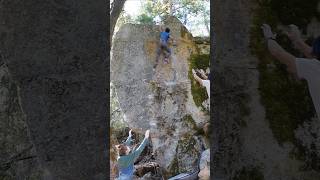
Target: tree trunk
(231, 84)
(115, 11)
(56, 54)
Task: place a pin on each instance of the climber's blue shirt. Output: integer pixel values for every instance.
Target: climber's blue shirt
(164, 36)
(125, 163)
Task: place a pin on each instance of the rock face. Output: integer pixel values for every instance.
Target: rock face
(160, 101)
(61, 83)
(245, 143)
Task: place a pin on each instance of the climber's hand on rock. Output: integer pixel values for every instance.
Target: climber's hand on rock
(293, 33)
(267, 32)
(147, 134)
(130, 132)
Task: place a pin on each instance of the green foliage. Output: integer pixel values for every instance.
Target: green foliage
(179, 8)
(188, 8)
(144, 19)
(198, 92)
(253, 173)
(182, 9)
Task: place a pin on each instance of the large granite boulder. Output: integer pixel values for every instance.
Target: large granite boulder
(162, 100)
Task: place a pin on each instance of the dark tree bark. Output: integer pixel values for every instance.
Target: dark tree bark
(116, 8)
(56, 54)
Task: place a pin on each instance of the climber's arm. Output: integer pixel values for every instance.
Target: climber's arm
(196, 77)
(128, 142)
(294, 35)
(282, 55)
(277, 51)
(303, 47)
(139, 150)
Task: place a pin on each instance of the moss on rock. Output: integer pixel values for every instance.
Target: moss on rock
(191, 123)
(198, 92)
(173, 168)
(183, 162)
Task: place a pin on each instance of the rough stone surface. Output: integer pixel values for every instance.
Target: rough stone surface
(160, 101)
(61, 82)
(203, 43)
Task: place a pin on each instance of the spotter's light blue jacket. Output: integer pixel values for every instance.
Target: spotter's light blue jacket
(125, 163)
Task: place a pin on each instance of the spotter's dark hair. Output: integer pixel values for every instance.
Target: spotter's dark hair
(167, 30)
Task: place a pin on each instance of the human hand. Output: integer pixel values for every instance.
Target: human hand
(147, 134)
(293, 32)
(130, 132)
(202, 72)
(267, 32)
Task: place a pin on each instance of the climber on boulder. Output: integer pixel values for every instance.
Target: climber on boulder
(307, 68)
(203, 79)
(127, 156)
(163, 45)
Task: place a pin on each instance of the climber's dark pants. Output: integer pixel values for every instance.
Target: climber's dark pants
(163, 47)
